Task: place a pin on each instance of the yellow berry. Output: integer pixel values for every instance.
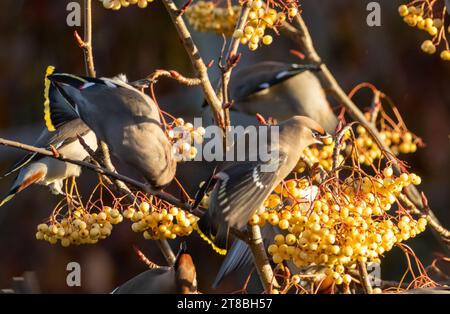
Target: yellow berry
(267, 40)
(277, 258)
(445, 55)
(347, 279)
(279, 239)
(403, 10)
(254, 220)
(238, 34)
(292, 11)
(290, 239)
(428, 47)
(272, 249)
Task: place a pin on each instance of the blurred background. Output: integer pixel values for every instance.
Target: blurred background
(138, 41)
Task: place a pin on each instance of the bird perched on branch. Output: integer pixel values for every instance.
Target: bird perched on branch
(272, 89)
(62, 135)
(126, 119)
(241, 187)
(281, 91)
(180, 278)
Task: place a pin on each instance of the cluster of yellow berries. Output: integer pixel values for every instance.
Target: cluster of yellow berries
(399, 141)
(415, 16)
(336, 230)
(261, 18)
(322, 155)
(183, 137)
(117, 4)
(205, 16)
(80, 227)
(160, 224)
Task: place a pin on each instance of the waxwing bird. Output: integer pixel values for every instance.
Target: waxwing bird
(62, 134)
(126, 119)
(239, 256)
(281, 90)
(242, 186)
(272, 89)
(180, 278)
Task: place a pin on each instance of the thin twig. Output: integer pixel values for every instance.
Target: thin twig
(196, 60)
(173, 75)
(139, 185)
(87, 42)
(301, 35)
(233, 48)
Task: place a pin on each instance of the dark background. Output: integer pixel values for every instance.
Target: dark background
(136, 41)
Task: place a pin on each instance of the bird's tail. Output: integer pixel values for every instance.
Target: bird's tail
(58, 107)
(21, 185)
(215, 236)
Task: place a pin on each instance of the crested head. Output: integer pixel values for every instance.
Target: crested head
(301, 130)
(186, 275)
(306, 122)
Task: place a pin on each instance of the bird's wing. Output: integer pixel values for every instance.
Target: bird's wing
(263, 76)
(241, 190)
(153, 281)
(101, 92)
(64, 134)
(243, 187)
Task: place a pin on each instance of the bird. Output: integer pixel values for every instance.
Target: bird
(126, 119)
(281, 91)
(178, 279)
(272, 89)
(241, 187)
(61, 134)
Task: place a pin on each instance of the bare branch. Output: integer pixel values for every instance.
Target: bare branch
(301, 36)
(365, 282)
(261, 260)
(173, 75)
(196, 60)
(86, 43)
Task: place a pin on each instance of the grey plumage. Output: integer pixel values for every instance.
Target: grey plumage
(180, 278)
(159, 280)
(126, 119)
(239, 255)
(242, 187)
(281, 90)
(48, 171)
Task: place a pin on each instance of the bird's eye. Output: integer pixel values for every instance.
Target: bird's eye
(316, 134)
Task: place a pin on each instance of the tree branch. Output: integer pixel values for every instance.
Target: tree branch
(302, 37)
(261, 260)
(365, 282)
(196, 60)
(173, 75)
(87, 44)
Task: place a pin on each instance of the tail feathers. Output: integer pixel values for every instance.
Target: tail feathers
(19, 165)
(218, 241)
(57, 108)
(239, 256)
(22, 186)
(8, 197)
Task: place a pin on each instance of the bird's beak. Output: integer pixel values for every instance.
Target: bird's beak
(325, 139)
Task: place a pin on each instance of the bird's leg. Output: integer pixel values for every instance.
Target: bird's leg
(54, 151)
